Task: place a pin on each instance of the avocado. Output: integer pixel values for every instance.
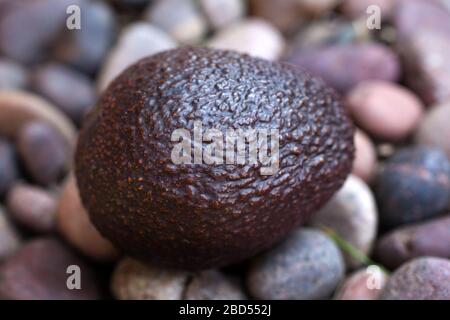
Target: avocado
(179, 212)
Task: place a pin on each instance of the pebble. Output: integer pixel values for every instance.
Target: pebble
(365, 162)
(427, 69)
(253, 36)
(352, 214)
(12, 75)
(434, 129)
(9, 172)
(316, 8)
(10, 239)
(343, 66)
(385, 109)
(213, 285)
(425, 278)
(19, 107)
(75, 226)
(412, 16)
(68, 89)
(29, 28)
(413, 186)
(358, 8)
(221, 13)
(32, 207)
(182, 19)
(136, 41)
(133, 280)
(44, 152)
(307, 265)
(430, 238)
(85, 49)
(361, 285)
(38, 272)
(285, 15)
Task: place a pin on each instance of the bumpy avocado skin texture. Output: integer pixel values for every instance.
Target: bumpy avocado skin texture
(198, 216)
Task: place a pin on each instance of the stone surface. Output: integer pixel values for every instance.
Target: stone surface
(253, 36)
(431, 238)
(133, 280)
(424, 278)
(285, 15)
(85, 49)
(12, 75)
(44, 152)
(9, 172)
(182, 19)
(343, 66)
(385, 109)
(32, 207)
(358, 8)
(434, 130)
(213, 285)
(413, 186)
(221, 13)
(10, 239)
(307, 265)
(68, 89)
(75, 226)
(365, 162)
(362, 285)
(38, 271)
(352, 214)
(135, 42)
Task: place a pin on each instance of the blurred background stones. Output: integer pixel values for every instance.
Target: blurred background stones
(394, 82)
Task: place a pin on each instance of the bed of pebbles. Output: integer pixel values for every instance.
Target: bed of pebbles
(384, 235)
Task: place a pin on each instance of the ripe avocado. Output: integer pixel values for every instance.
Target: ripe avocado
(197, 216)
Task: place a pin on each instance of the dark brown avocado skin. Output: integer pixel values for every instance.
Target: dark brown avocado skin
(202, 216)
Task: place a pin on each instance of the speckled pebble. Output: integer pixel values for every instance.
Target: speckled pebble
(44, 152)
(12, 75)
(38, 271)
(133, 280)
(424, 278)
(353, 215)
(32, 207)
(75, 226)
(430, 238)
(385, 110)
(253, 36)
(363, 284)
(213, 285)
(413, 186)
(307, 265)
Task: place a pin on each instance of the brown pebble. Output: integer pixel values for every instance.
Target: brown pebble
(39, 271)
(74, 224)
(44, 152)
(365, 284)
(365, 162)
(213, 285)
(431, 238)
(32, 207)
(384, 109)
